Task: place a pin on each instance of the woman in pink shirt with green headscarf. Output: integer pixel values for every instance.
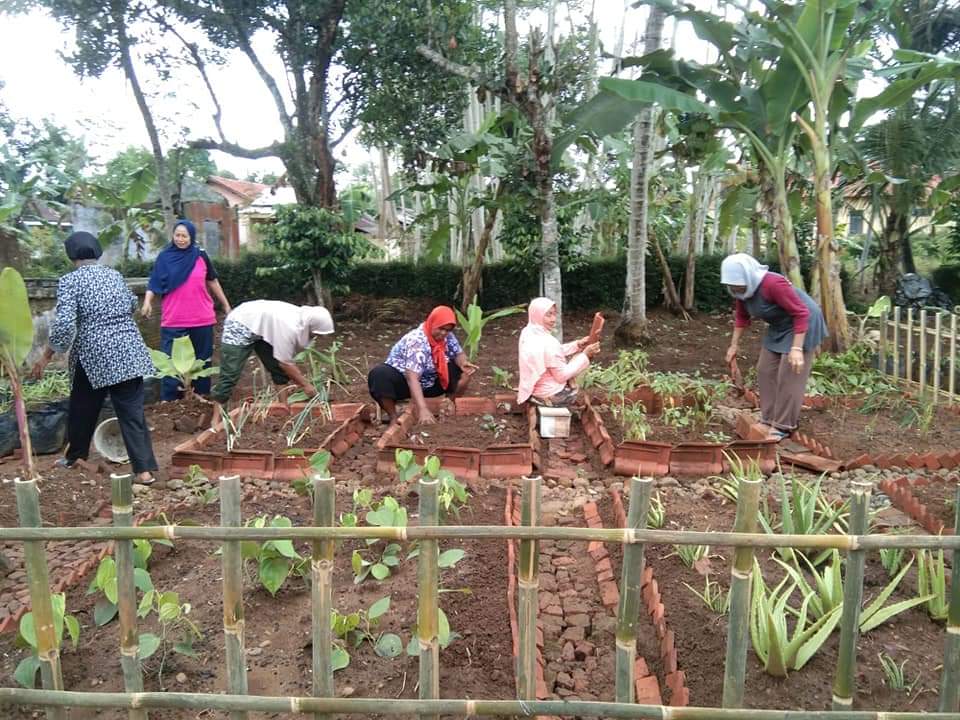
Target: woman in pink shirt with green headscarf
(546, 365)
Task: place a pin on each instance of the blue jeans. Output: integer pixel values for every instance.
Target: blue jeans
(202, 339)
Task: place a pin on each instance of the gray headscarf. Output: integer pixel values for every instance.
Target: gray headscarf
(742, 269)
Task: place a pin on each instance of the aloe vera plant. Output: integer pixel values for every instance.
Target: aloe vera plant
(778, 649)
(804, 510)
(932, 583)
(827, 595)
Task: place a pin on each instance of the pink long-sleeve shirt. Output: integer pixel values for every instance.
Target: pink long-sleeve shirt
(775, 288)
(560, 370)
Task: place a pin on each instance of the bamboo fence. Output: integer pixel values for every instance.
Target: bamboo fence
(919, 350)
(55, 699)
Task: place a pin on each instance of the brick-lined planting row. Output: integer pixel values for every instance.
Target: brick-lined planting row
(917, 461)
(575, 634)
(68, 561)
(900, 494)
(503, 461)
(645, 457)
(675, 678)
(646, 685)
(264, 464)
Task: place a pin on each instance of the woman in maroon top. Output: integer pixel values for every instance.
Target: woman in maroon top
(795, 329)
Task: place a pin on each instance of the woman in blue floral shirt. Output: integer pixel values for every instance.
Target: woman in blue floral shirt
(94, 323)
(426, 362)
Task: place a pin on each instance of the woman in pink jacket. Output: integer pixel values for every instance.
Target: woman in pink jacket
(546, 365)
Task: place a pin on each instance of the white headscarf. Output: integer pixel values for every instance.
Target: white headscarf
(742, 269)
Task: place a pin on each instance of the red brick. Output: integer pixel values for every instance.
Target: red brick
(640, 668)
(594, 547)
(857, 462)
(648, 691)
(680, 698)
(670, 661)
(647, 575)
(609, 594)
(604, 566)
(656, 615)
(915, 461)
(898, 461)
(676, 681)
(666, 644)
(564, 561)
(811, 462)
(590, 510)
(931, 461)
(605, 576)
(747, 429)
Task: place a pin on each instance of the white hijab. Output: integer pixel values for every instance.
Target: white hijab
(742, 269)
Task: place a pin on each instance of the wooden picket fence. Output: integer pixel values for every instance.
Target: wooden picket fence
(323, 702)
(919, 350)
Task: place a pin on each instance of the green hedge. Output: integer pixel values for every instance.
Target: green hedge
(592, 285)
(240, 279)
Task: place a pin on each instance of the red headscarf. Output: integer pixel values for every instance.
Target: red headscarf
(438, 317)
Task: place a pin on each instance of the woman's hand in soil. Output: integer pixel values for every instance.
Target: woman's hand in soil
(310, 390)
(425, 417)
(36, 372)
(795, 358)
(469, 368)
(731, 354)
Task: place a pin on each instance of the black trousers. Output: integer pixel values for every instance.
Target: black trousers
(385, 381)
(127, 400)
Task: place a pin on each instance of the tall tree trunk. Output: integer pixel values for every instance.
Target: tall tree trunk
(129, 71)
(786, 239)
(828, 261)
(755, 237)
(693, 231)
(474, 272)
(906, 246)
(895, 230)
(671, 296)
(633, 320)
(388, 212)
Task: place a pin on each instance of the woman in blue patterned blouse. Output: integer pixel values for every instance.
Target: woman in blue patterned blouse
(426, 362)
(94, 322)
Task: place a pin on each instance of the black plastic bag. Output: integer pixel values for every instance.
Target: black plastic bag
(915, 291)
(48, 427)
(9, 436)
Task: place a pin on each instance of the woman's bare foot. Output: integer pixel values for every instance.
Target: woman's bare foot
(146, 478)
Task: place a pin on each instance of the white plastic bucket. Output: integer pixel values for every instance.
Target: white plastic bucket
(108, 441)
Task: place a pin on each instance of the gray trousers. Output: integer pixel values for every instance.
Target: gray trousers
(781, 389)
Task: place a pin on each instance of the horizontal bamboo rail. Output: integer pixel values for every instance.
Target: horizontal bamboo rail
(54, 699)
(369, 706)
(627, 536)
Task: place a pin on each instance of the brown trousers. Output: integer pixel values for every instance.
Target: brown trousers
(781, 389)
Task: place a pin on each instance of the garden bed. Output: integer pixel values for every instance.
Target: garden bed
(469, 443)
(478, 663)
(701, 633)
(208, 449)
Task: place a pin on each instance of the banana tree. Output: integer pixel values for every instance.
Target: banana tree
(16, 339)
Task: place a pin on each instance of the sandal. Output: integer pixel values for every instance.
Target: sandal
(146, 481)
(778, 435)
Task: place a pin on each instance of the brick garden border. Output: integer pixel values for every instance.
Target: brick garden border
(265, 465)
(648, 457)
(675, 678)
(73, 571)
(899, 491)
(496, 461)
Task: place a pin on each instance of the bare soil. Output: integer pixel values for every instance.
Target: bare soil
(471, 431)
(274, 433)
(480, 663)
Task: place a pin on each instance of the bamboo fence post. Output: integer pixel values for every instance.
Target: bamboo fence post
(896, 342)
(844, 684)
(741, 574)
(233, 623)
(952, 384)
(122, 501)
(428, 577)
(631, 579)
(41, 604)
(909, 345)
(884, 323)
(950, 687)
(321, 567)
(938, 341)
(528, 582)
(923, 352)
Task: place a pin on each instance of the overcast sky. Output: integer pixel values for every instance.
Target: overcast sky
(38, 84)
